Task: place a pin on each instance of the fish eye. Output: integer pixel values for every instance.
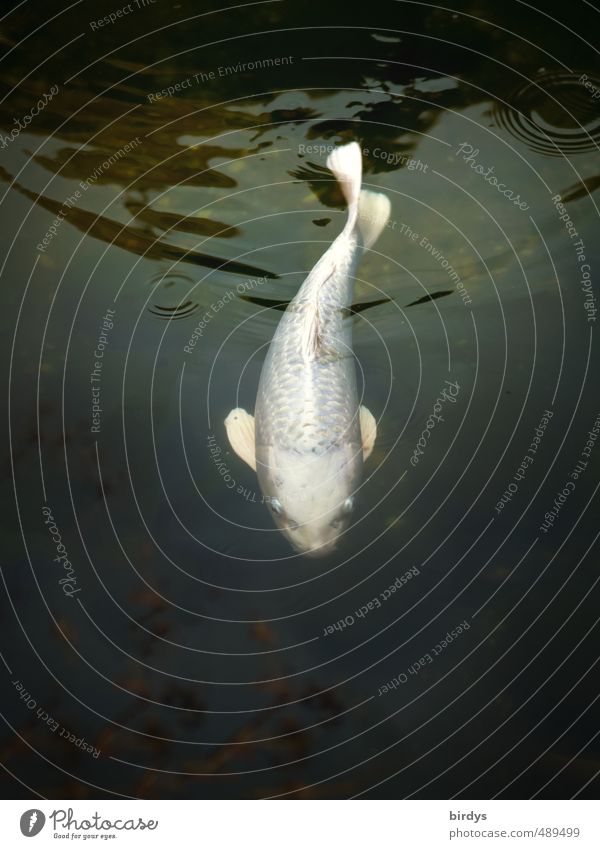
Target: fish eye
(347, 507)
(276, 507)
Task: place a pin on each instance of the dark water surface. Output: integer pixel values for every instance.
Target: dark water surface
(188, 652)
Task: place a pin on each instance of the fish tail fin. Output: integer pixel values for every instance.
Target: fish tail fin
(346, 164)
(373, 214)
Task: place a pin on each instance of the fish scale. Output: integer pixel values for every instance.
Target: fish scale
(309, 406)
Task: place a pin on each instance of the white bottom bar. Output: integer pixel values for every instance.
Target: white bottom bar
(298, 824)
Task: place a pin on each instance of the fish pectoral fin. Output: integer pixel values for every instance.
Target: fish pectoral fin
(368, 430)
(240, 431)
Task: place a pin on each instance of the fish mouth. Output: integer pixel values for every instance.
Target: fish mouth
(317, 551)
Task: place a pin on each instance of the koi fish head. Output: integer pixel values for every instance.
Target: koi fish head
(311, 495)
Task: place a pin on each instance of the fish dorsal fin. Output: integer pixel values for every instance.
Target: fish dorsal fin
(240, 431)
(311, 336)
(373, 214)
(310, 339)
(368, 431)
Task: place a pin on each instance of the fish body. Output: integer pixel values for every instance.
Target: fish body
(310, 436)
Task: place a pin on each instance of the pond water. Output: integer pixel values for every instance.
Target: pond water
(157, 207)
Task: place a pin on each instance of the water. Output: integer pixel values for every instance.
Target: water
(187, 644)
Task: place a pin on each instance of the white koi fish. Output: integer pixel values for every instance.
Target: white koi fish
(310, 437)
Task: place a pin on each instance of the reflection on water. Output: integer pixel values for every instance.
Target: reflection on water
(201, 657)
(134, 239)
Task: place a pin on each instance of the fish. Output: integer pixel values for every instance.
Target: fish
(309, 436)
